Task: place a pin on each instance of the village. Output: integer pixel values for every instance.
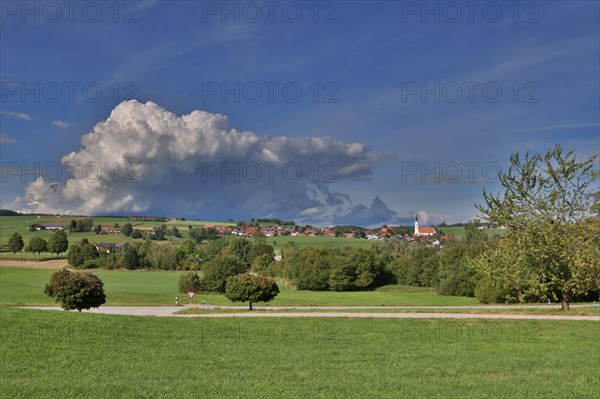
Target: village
(248, 230)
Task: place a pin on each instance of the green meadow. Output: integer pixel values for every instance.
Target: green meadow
(24, 286)
(52, 354)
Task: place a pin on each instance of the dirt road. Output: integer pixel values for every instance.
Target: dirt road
(47, 264)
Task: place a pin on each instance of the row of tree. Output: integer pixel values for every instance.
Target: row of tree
(57, 243)
(187, 256)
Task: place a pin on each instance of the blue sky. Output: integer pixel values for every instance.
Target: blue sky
(387, 75)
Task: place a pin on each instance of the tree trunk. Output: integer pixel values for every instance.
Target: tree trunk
(565, 303)
(250, 305)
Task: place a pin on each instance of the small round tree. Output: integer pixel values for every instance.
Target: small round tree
(15, 243)
(250, 288)
(38, 245)
(58, 242)
(76, 290)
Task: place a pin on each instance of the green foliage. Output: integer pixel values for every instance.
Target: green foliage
(81, 226)
(341, 277)
(312, 269)
(336, 269)
(218, 270)
(240, 248)
(263, 264)
(76, 290)
(250, 288)
(417, 267)
(15, 243)
(455, 276)
(79, 254)
(74, 256)
(131, 259)
(487, 291)
(37, 244)
(200, 234)
(190, 282)
(127, 229)
(260, 248)
(58, 242)
(136, 234)
(548, 204)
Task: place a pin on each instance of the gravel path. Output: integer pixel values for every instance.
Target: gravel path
(168, 311)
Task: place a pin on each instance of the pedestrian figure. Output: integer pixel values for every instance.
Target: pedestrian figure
(176, 301)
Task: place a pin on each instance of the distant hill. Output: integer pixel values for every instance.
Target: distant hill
(7, 212)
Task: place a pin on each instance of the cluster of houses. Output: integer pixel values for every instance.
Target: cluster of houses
(54, 227)
(420, 233)
(374, 234)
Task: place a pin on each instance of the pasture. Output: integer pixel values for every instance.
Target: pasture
(49, 354)
(22, 286)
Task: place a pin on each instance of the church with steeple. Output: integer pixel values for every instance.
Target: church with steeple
(423, 231)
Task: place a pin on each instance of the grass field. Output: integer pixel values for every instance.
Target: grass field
(590, 310)
(18, 224)
(59, 354)
(22, 286)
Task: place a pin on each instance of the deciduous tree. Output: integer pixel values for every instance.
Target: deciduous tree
(250, 288)
(76, 290)
(548, 205)
(58, 242)
(15, 243)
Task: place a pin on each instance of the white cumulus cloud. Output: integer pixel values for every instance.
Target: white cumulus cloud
(144, 158)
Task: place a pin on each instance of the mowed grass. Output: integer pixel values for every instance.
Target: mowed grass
(22, 286)
(49, 354)
(579, 311)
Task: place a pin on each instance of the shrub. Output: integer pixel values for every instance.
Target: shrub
(127, 229)
(190, 282)
(487, 292)
(262, 264)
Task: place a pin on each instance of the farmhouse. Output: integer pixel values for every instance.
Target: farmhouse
(110, 230)
(39, 227)
(109, 247)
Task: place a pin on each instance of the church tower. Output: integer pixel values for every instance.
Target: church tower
(417, 225)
